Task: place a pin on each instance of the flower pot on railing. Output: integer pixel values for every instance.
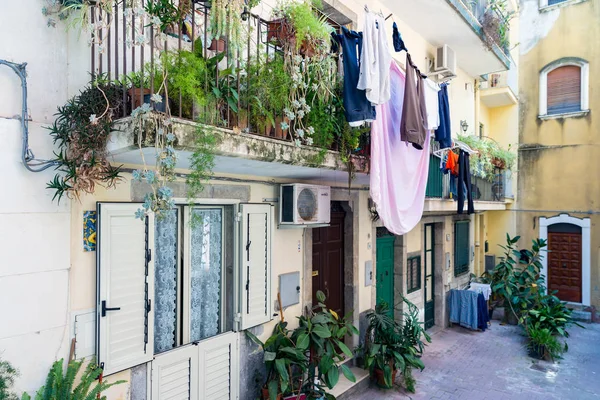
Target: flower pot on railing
(281, 32)
(218, 45)
(137, 94)
(499, 163)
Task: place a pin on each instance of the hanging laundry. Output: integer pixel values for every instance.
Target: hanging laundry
(398, 171)
(432, 104)
(357, 108)
(397, 39)
(414, 115)
(443, 133)
(375, 60)
(464, 179)
(452, 163)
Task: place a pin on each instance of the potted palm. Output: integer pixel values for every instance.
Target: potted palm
(284, 359)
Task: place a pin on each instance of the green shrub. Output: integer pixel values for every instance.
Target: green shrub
(7, 379)
(543, 344)
(62, 386)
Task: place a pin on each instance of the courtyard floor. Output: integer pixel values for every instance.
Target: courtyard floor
(461, 364)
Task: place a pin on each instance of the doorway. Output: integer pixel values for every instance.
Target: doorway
(328, 260)
(429, 276)
(565, 261)
(385, 268)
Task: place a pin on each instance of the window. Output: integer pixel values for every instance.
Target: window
(549, 4)
(189, 277)
(461, 247)
(564, 88)
(413, 274)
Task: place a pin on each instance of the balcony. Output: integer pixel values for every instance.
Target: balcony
(457, 23)
(501, 89)
(212, 83)
(487, 195)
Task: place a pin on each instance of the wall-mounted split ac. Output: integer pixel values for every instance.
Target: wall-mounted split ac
(302, 204)
(445, 63)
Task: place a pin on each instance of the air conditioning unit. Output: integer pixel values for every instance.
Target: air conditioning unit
(302, 204)
(445, 62)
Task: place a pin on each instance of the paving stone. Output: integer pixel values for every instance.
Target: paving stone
(493, 365)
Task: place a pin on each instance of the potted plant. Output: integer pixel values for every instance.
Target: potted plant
(543, 345)
(284, 359)
(218, 44)
(226, 21)
(295, 25)
(391, 346)
(169, 14)
(321, 333)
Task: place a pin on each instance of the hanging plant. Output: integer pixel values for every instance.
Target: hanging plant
(490, 156)
(81, 132)
(226, 21)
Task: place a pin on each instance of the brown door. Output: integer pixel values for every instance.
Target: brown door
(328, 262)
(564, 265)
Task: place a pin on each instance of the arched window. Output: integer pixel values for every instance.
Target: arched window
(564, 88)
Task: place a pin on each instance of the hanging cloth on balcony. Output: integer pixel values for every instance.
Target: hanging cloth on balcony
(357, 108)
(375, 60)
(464, 181)
(443, 134)
(398, 170)
(414, 112)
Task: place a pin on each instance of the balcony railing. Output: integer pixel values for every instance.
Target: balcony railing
(438, 184)
(496, 20)
(509, 79)
(123, 54)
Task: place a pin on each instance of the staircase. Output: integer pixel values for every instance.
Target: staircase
(345, 389)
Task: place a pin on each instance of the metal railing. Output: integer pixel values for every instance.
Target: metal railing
(124, 54)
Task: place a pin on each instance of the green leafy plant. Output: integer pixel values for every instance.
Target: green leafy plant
(283, 360)
(490, 156)
(81, 131)
(544, 345)
(321, 332)
(167, 12)
(62, 386)
(8, 374)
(495, 24)
(202, 161)
(226, 21)
(186, 75)
(392, 346)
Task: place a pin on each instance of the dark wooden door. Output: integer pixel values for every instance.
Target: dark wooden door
(429, 277)
(328, 262)
(564, 265)
(385, 271)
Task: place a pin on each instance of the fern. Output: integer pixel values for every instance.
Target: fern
(61, 386)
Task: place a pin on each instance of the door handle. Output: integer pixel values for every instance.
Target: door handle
(105, 309)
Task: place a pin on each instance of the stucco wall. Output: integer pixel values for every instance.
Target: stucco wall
(559, 157)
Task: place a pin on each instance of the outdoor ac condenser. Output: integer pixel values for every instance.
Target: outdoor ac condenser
(445, 62)
(302, 204)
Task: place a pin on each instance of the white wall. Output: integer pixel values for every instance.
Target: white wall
(34, 231)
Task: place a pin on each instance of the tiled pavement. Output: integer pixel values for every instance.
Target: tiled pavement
(461, 364)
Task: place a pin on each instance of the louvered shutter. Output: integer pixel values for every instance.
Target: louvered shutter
(125, 287)
(175, 374)
(218, 363)
(461, 247)
(255, 264)
(564, 90)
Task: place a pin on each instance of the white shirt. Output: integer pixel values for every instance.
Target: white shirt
(375, 60)
(432, 104)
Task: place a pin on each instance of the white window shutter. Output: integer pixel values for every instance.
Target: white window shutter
(125, 287)
(255, 264)
(218, 372)
(175, 374)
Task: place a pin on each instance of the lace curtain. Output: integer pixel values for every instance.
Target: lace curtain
(165, 284)
(205, 256)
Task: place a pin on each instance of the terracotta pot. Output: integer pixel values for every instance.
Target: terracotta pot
(218, 45)
(265, 394)
(499, 163)
(138, 94)
(279, 31)
(379, 376)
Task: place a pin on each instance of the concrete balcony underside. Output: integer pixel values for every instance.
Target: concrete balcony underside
(237, 154)
(498, 97)
(451, 22)
(446, 206)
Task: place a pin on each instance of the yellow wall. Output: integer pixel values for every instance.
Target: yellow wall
(559, 158)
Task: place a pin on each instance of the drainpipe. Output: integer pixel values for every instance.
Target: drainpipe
(27, 156)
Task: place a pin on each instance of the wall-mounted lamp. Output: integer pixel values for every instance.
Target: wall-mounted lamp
(245, 14)
(464, 125)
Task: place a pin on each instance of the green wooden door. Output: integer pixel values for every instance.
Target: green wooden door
(385, 271)
(429, 277)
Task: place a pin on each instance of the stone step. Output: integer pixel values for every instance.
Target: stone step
(582, 316)
(344, 389)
